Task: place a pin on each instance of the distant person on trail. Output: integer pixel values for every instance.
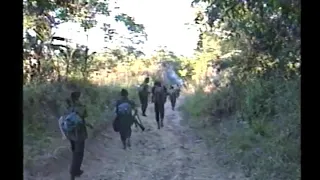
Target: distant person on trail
(75, 130)
(173, 93)
(124, 118)
(159, 97)
(143, 96)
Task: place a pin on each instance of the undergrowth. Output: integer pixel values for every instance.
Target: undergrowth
(258, 127)
(43, 104)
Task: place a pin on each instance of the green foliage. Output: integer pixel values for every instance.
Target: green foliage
(262, 28)
(197, 105)
(262, 132)
(52, 71)
(43, 104)
(258, 108)
(250, 108)
(42, 15)
(129, 22)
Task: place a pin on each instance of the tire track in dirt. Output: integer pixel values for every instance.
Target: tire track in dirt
(171, 153)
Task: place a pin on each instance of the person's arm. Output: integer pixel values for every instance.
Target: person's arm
(85, 115)
(165, 90)
(89, 125)
(152, 90)
(117, 104)
(152, 93)
(134, 107)
(148, 89)
(68, 103)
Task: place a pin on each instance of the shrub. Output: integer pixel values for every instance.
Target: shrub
(263, 133)
(43, 104)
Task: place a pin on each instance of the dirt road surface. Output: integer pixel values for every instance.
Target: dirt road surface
(171, 153)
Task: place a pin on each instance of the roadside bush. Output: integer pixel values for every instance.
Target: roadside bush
(43, 104)
(261, 129)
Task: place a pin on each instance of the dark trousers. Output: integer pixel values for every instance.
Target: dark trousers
(173, 100)
(77, 148)
(125, 134)
(159, 111)
(144, 104)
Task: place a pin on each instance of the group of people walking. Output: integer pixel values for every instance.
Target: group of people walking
(159, 97)
(73, 125)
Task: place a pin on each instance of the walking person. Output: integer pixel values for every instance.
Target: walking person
(159, 96)
(172, 92)
(143, 96)
(124, 118)
(74, 128)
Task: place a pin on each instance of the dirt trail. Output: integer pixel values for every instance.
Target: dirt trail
(172, 153)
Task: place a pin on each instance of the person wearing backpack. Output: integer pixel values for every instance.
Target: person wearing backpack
(125, 118)
(159, 97)
(74, 128)
(143, 96)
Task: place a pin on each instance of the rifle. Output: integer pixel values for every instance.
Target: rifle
(137, 122)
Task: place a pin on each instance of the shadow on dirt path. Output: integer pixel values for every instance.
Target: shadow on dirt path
(171, 153)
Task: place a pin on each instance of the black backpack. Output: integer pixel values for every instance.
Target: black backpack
(159, 95)
(124, 110)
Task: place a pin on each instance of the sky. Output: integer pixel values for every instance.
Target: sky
(164, 22)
